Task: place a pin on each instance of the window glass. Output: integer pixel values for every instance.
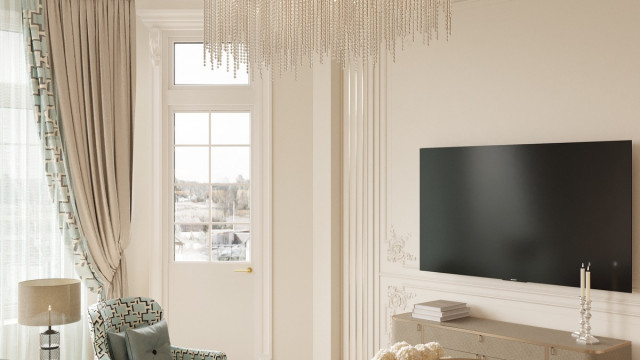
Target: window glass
(212, 186)
(191, 129)
(31, 243)
(231, 128)
(189, 68)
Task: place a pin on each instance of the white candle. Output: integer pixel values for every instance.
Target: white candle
(588, 285)
(582, 281)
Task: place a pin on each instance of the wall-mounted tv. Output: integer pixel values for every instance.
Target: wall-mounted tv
(530, 213)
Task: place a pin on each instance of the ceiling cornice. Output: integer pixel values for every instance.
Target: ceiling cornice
(172, 19)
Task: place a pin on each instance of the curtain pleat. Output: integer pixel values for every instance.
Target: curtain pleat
(92, 51)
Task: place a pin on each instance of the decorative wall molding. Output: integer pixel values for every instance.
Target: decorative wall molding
(606, 302)
(155, 46)
(365, 199)
(397, 302)
(396, 252)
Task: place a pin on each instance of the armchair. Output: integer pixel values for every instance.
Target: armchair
(129, 313)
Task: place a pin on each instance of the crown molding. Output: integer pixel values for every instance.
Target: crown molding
(172, 19)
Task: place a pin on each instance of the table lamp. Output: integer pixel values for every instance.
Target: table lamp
(48, 302)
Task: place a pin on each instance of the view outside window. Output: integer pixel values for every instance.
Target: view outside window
(31, 245)
(189, 69)
(212, 163)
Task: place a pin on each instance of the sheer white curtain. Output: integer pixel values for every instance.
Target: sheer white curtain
(31, 244)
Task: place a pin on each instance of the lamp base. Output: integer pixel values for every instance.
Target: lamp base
(50, 345)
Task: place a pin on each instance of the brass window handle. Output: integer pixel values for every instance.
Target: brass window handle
(247, 270)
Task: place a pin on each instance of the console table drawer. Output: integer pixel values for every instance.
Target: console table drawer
(458, 354)
(483, 344)
(618, 354)
(465, 355)
(406, 331)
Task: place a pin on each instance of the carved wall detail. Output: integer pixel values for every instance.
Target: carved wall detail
(397, 301)
(155, 48)
(395, 250)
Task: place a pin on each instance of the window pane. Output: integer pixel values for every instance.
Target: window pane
(230, 165)
(191, 129)
(189, 68)
(242, 227)
(190, 165)
(231, 128)
(212, 165)
(229, 245)
(191, 203)
(230, 202)
(191, 242)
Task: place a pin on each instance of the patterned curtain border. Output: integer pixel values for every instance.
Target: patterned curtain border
(56, 168)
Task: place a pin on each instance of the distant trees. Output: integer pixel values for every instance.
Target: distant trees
(190, 190)
(227, 199)
(242, 193)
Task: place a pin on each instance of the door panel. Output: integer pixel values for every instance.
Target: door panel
(212, 306)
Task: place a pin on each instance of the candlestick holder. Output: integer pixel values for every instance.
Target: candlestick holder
(587, 338)
(580, 333)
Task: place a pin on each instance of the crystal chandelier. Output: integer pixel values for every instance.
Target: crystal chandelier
(279, 35)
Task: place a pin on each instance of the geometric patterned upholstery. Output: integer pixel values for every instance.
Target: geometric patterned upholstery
(117, 315)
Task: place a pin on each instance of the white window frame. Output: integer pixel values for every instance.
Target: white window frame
(255, 166)
(179, 98)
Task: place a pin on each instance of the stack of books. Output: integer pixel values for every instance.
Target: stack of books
(440, 310)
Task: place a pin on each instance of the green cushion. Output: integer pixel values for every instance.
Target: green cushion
(117, 345)
(149, 343)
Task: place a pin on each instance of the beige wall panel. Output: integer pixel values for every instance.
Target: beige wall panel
(292, 216)
(141, 222)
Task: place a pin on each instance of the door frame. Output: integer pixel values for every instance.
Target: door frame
(163, 24)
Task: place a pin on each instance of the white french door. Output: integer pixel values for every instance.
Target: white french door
(211, 150)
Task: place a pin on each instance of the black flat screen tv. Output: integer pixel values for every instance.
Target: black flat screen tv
(530, 213)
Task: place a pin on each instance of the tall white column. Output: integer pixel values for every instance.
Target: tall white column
(364, 186)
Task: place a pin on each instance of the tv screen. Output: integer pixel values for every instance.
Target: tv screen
(530, 213)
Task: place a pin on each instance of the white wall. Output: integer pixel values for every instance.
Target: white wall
(525, 71)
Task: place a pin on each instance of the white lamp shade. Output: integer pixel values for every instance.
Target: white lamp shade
(35, 297)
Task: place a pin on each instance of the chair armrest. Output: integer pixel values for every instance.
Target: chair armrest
(180, 353)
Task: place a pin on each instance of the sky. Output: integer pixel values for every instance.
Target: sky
(189, 69)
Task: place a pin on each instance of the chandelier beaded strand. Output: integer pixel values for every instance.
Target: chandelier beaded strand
(281, 34)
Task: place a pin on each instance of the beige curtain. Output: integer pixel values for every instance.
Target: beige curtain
(92, 49)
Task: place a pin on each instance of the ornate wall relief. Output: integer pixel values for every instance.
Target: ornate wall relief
(397, 301)
(396, 252)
